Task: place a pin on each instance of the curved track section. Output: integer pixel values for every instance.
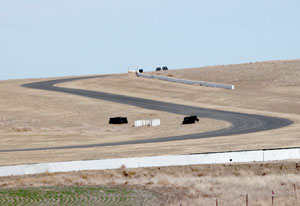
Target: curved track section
(241, 123)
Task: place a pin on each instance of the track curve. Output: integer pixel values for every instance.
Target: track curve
(241, 123)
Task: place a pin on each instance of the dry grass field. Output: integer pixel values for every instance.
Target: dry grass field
(264, 86)
(182, 185)
(32, 118)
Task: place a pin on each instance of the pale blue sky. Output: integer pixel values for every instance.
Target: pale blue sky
(46, 38)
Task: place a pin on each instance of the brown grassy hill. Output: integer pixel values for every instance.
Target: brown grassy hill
(32, 118)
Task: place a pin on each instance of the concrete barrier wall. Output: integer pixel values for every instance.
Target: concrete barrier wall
(155, 161)
(272, 155)
(184, 81)
(152, 123)
(139, 123)
(155, 122)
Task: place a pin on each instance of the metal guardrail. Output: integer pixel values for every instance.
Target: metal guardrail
(184, 81)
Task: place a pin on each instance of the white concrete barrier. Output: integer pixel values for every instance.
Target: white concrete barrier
(36, 169)
(98, 164)
(12, 170)
(152, 123)
(139, 123)
(155, 161)
(184, 81)
(155, 122)
(64, 166)
(287, 154)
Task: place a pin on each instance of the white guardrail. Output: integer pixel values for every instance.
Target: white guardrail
(155, 161)
(184, 81)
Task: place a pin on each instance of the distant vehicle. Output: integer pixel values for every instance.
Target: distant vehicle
(158, 69)
(164, 68)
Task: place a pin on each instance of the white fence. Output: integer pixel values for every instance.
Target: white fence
(155, 161)
(184, 81)
(152, 123)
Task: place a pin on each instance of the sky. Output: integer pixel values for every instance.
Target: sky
(49, 38)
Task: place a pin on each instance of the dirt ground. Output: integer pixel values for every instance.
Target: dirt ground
(32, 118)
(188, 185)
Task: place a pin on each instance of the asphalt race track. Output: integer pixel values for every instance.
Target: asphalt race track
(241, 123)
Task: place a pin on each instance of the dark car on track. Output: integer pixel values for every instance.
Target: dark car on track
(165, 68)
(158, 69)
